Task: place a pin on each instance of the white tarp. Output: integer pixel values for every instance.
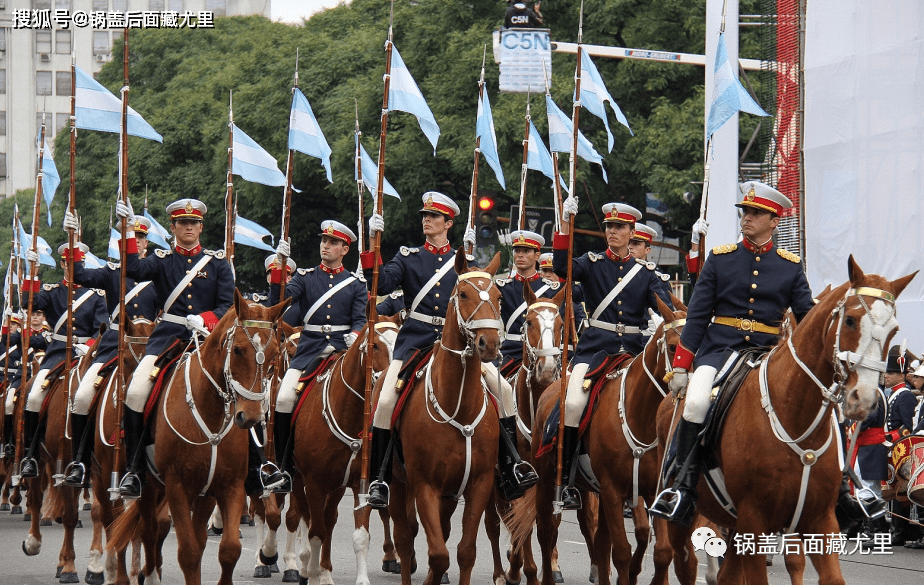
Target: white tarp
(864, 147)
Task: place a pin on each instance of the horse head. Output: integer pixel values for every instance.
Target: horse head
(668, 334)
(475, 308)
(859, 324)
(137, 332)
(249, 341)
(542, 336)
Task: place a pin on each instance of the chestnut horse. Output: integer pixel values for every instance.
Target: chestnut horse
(448, 430)
(779, 448)
(205, 411)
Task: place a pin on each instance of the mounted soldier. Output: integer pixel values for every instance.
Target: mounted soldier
(13, 374)
(89, 312)
(271, 263)
(330, 303)
(195, 288)
(640, 247)
(618, 290)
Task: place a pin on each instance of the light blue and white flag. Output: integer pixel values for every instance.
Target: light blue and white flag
(50, 178)
(594, 95)
(305, 134)
(538, 157)
(157, 235)
(44, 250)
(371, 175)
(98, 109)
(250, 162)
(728, 95)
(484, 129)
(404, 95)
(560, 136)
(114, 237)
(250, 233)
(92, 261)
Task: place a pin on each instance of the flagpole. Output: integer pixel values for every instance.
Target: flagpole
(522, 220)
(569, 308)
(360, 240)
(376, 248)
(229, 193)
(557, 175)
(473, 195)
(7, 322)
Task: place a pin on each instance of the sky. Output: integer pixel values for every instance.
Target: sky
(295, 10)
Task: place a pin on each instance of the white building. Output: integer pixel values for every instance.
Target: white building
(35, 65)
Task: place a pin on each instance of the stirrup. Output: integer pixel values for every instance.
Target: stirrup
(666, 504)
(28, 468)
(130, 486)
(570, 498)
(525, 475)
(379, 495)
(9, 451)
(75, 474)
(871, 504)
(271, 477)
(284, 486)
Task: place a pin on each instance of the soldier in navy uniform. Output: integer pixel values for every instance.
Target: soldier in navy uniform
(427, 277)
(516, 475)
(195, 288)
(330, 303)
(392, 305)
(618, 290)
(141, 303)
(740, 299)
(872, 458)
(640, 247)
(89, 312)
(547, 272)
(271, 263)
(13, 374)
(901, 406)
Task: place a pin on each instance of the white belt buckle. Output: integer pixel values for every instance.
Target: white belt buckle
(325, 329)
(620, 328)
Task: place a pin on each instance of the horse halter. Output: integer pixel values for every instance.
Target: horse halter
(467, 325)
(545, 324)
(236, 387)
(662, 349)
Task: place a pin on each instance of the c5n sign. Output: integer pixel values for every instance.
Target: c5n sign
(521, 54)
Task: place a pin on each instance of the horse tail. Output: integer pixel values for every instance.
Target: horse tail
(53, 504)
(520, 518)
(122, 530)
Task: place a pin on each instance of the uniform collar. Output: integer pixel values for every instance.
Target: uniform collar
(899, 386)
(754, 248)
(187, 251)
(612, 256)
(64, 283)
(522, 278)
(439, 251)
(329, 270)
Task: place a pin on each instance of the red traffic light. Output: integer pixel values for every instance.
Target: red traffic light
(485, 203)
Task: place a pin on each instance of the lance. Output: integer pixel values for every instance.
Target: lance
(229, 193)
(523, 168)
(8, 306)
(376, 248)
(358, 170)
(473, 196)
(557, 175)
(569, 308)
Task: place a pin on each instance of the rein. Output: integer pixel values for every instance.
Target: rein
(533, 355)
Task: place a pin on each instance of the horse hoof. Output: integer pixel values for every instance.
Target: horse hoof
(414, 568)
(4, 507)
(246, 519)
(444, 580)
(391, 566)
(45, 522)
(92, 578)
(592, 578)
(290, 576)
(769, 561)
(27, 517)
(32, 554)
(215, 531)
(302, 580)
(261, 572)
(267, 560)
(274, 568)
(69, 578)
(16, 510)
(79, 524)
(512, 582)
(140, 578)
(557, 577)
(87, 507)
(58, 571)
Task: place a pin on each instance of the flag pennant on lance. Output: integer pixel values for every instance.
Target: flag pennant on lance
(404, 95)
(98, 109)
(728, 95)
(538, 157)
(594, 95)
(50, 178)
(560, 136)
(250, 233)
(371, 175)
(250, 162)
(484, 129)
(305, 134)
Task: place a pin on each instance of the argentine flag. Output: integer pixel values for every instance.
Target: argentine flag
(305, 134)
(250, 233)
(560, 136)
(250, 162)
(44, 250)
(50, 178)
(484, 129)
(594, 95)
(371, 175)
(157, 235)
(538, 157)
(728, 95)
(98, 109)
(114, 237)
(404, 95)
(92, 261)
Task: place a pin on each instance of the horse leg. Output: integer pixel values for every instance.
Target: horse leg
(621, 549)
(189, 551)
(477, 499)
(602, 547)
(261, 570)
(33, 543)
(546, 530)
(331, 514)
(360, 540)
(229, 549)
(663, 553)
(587, 522)
(95, 567)
(492, 528)
(290, 556)
(795, 566)
(428, 510)
(642, 536)
(404, 532)
(826, 565)
(317, 530)
(390, 559)
(685, 562)
(68, 498)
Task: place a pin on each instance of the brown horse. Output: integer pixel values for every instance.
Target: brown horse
(448, 431)
(204, 413)
(778, 445)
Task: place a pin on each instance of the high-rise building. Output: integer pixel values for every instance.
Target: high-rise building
(36, 41)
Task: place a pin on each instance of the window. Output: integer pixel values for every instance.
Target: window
(100, 5)
(217, 7)
(43, 83)
(63, 5)
(100, 42)
(2, 165)
(2, 123)
(2, 80)
(43, 4)
(62, 122)
(2, 39)
(63, 42)
(63, 82)
(157, 5)
(43, 42)
(119, 5)
(176, 5)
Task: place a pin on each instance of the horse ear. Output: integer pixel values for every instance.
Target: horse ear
(238, 301)
(559, 298)
(461, 260)
(854, 272)
(665, 310)
(279, 309)
(678, 304)
(899, 284)
(528, 295)
(493, 265)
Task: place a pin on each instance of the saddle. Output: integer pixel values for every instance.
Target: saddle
(163, 368)
(307, 380)
(737, 366)
(510, 368)
(409, 370)
(52, 380)
(601, 366)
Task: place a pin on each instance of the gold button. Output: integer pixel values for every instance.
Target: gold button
(437, 295)
(619, 279)
(328, 317)
(755, 273)
(437, 284)
(750, 300)
(619, 334)
(187, 296)
(753, 286)
(620, 312)
(747, 338)
(327, 336)
(135, 305)
(757, 259)
(330, 286)
(331, 275)
(190, 284)
(189, 260)
(189, 306)
(187, 272)
(751, 312)
(621, 267)
(440, 259)
(436, 308)
(618, 302)
(437, 270)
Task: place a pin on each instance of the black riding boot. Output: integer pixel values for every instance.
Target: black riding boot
(380, 451)
(850, 510)
(678, 504)
(133, 480)
(76, 471)
(570, 496)
(29, 466)
(283, 442)
(516, 475)
(9, 437)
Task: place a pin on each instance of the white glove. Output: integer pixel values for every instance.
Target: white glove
(469, 238)
(678, 381)
(9, 313)
(349, 338)
(376, 223)
(700, 227)
(194, 322)
(283, 248)
(124, 210)
(32, 256)
(70, 222)
(569, 209)
(81, 348)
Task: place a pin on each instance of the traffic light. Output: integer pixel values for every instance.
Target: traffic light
(486, 222)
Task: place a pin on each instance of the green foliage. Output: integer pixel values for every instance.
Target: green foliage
(181, 81)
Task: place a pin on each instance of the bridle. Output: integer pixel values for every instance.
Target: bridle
(468, 325)
(534, 353)
(662, 349)
(235, 388)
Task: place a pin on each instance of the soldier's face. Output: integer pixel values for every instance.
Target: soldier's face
(618, 235)
(435, 224)
(38, 317)
(525, 259)
(186, 232)
(333, 250)
(639, 249)
(142, 241)
(757, 224)
(548, 273)
(917, 382)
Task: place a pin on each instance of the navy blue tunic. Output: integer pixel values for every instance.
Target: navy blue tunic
(37, 342)
(511, 299)
(873, 459)
(902, 403)
(87, 318)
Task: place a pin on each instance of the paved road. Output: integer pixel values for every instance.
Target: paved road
(902, 566)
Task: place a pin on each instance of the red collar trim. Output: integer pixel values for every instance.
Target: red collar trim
(64, 283)
(898, 386)
(329, 270)
(187, 251)
(522, 278)
(754, 248)
(438, 251)
(612, 256)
